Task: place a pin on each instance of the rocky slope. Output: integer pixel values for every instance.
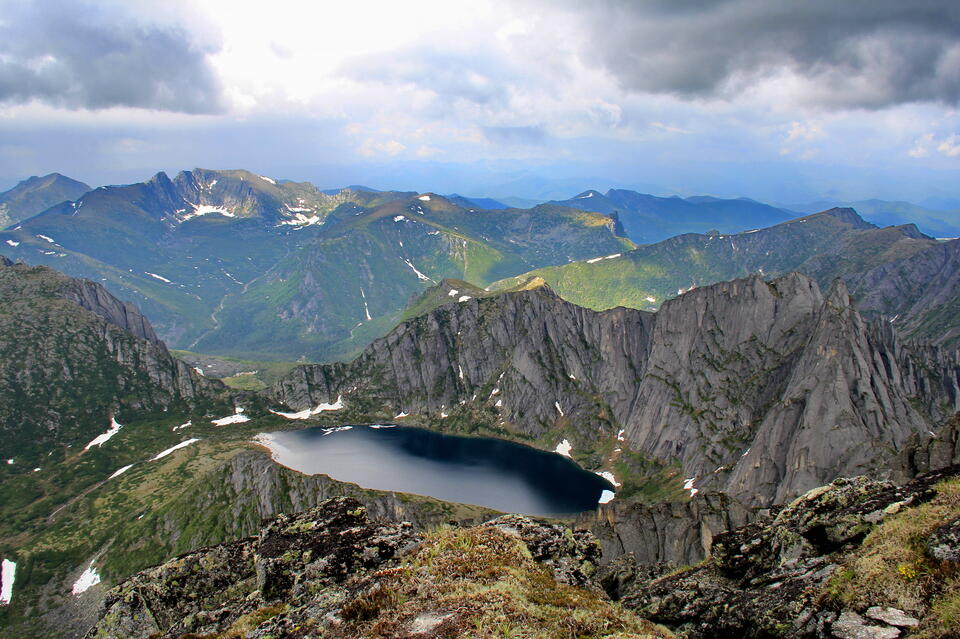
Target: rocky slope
(332, 572)
(72, 357)
(919, 295)
(855, 559)
(36, 194)
(754, 388)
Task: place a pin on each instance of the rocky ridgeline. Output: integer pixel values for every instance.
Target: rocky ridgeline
(72, 356)
(332, 572)
(795, 573)
(761, 390)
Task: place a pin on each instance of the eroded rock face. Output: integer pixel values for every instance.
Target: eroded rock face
(766, 578)
(761, 390)
(317, 572)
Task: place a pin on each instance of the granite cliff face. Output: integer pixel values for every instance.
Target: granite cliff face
(73, 356)
(919, 295)
(759, 389)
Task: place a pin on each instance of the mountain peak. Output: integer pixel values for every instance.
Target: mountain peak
(848, 215)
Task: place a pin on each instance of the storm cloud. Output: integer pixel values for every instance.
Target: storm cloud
(851, 54)
(79, 55)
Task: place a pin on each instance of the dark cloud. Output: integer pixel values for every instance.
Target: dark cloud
(515, 135)
(854, 53)
(78, 55)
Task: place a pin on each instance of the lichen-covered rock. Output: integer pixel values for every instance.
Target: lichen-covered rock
(944, 544)
(573, 556)
(332, 572)
(770, 578)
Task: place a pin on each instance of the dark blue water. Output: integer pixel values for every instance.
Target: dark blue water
(487, 472)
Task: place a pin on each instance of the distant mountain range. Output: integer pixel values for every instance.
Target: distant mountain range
(37, 194)
(648, 218)
(827, 245)
(231, 262)
(938, 223)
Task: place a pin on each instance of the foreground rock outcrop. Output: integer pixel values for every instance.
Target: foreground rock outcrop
(332, 572)
(857, 558)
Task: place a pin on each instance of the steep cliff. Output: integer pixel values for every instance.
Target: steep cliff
(72, 357)
(759, 389)
(919, 295)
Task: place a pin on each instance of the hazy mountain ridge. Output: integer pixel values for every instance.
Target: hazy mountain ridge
(648, 218)
(37, 194)
(830, 244)
(204, 252)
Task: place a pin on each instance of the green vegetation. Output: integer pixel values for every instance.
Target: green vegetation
(893, 568)
(496, 590)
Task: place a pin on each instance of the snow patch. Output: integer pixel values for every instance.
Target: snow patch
(688, 485)
(266, 179)
(605, 257)
(299, 219)
(175, 448)
(159, 277)
(44, 237)
(237, 418)
(102, 438)
(310, 412)
(751, 231)
(7, 575)
(559, 410)
(650, 299)
(563, 448)
(460, 370)
(453, 292)
(424, 198)
(87, 579)
(620, 436)
(120, 471)
(745, 453)
(610, 477)
(199, 371)
(206, 209)
(420, 276)
(182, 426)
(399, 218)
(463, 298)
(383, 426)
(13, 244)
(400, 415)
(606, 497)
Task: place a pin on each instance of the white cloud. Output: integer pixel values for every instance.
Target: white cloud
(921, 147)
(374, 148)
(950, 146)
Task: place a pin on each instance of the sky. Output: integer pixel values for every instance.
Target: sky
(785, 102)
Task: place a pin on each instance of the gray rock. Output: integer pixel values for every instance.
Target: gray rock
(892, 617)
(944, 543)
(762, 390)
(850, 625)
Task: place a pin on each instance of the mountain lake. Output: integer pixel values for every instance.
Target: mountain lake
(474, 470)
